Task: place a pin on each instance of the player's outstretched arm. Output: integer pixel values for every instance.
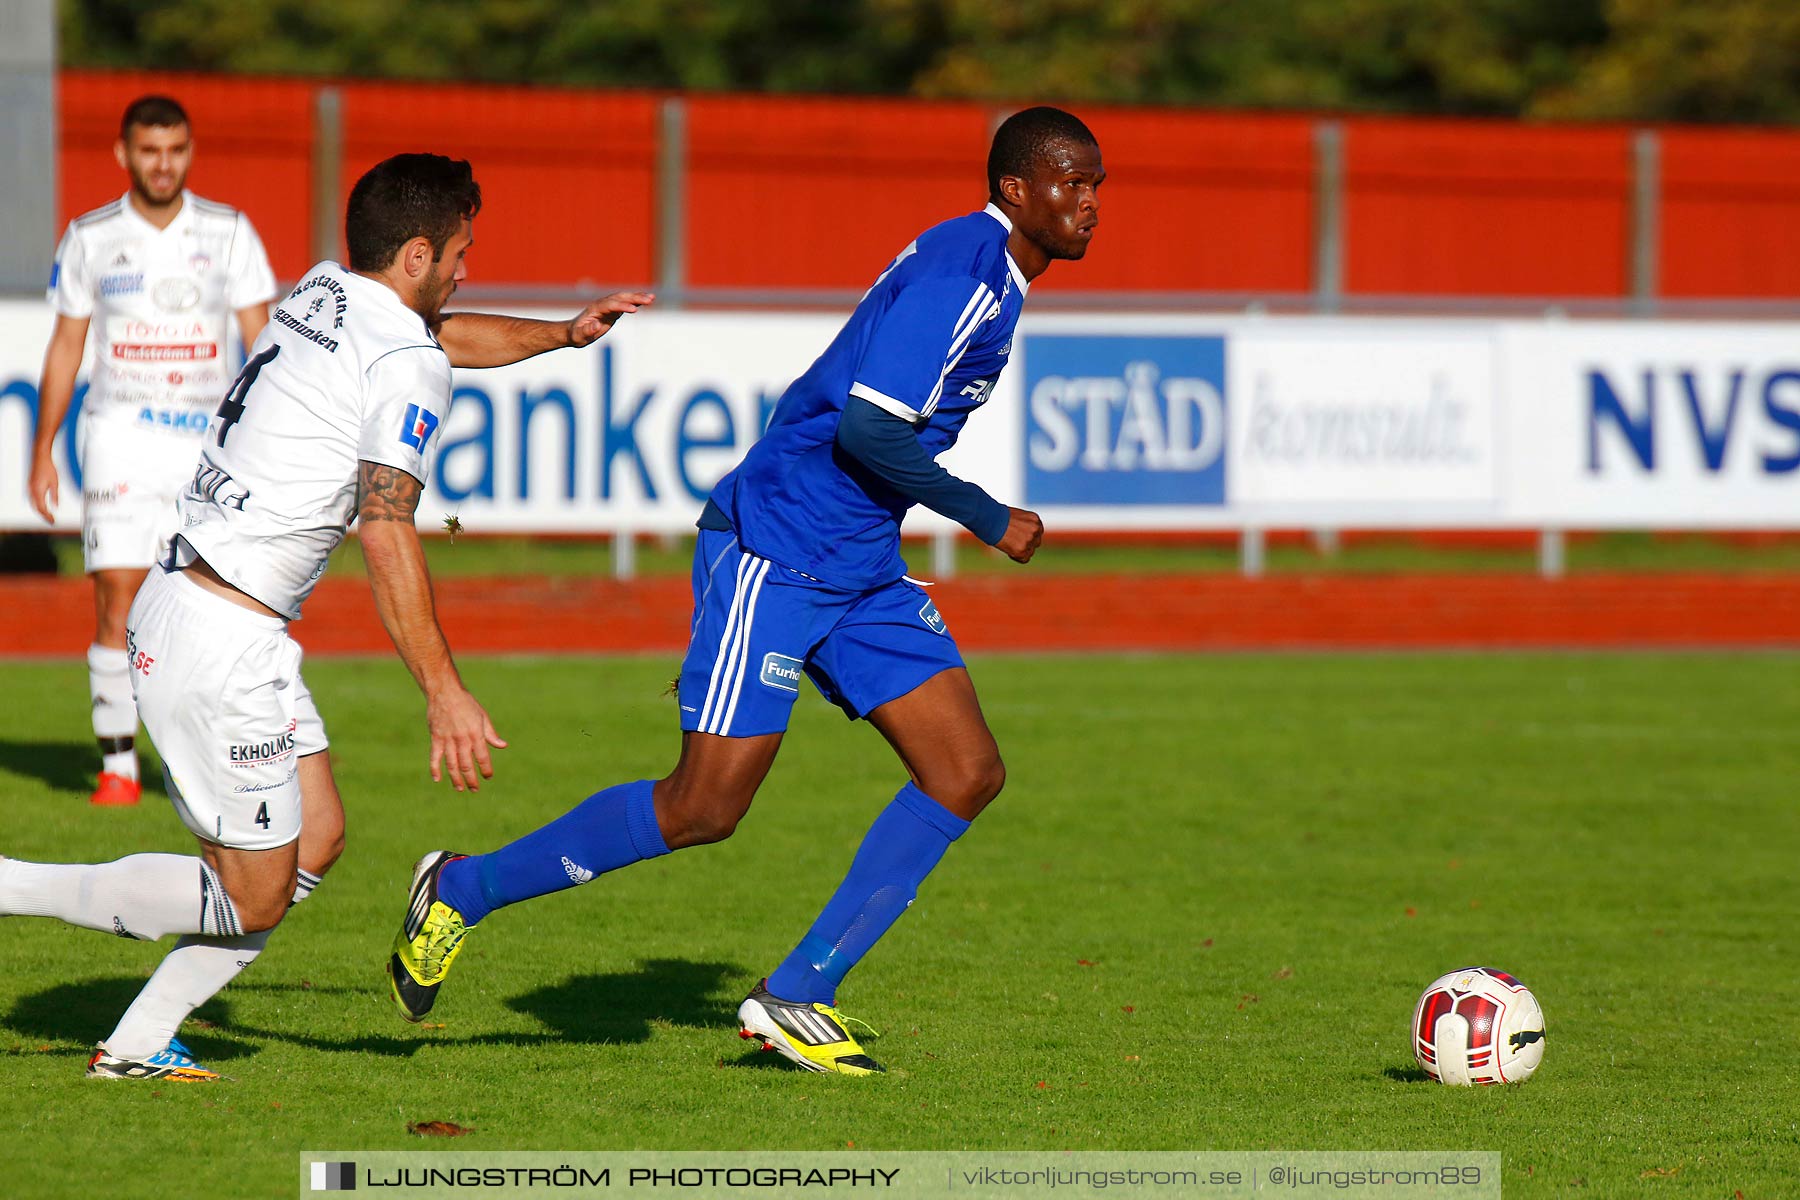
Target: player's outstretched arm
(890, 450)
(490, 340)
(56, 391)
(386, 500)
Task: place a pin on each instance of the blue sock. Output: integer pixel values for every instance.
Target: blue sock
(902, 846)
(608, 830)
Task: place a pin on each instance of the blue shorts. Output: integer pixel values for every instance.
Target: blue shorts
(758, 626)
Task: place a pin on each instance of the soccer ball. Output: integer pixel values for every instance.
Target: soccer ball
(1478, 1025)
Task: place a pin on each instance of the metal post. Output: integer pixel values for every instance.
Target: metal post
(1327, 542)
(1251, 552)
(943, 554)
(671, 203)
(1551, 557)
(28, 143)
(624, 555)
(1328, 216)
(327, 172)
(1646, 197)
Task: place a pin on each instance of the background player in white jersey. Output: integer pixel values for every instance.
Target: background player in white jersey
(156, 275)
(329, 422)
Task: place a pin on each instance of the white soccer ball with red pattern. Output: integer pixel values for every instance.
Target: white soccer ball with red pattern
(1478, 1025)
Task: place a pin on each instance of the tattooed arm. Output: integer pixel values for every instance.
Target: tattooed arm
(386, 499)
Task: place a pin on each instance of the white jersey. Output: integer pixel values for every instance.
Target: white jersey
(344, 372)
(159, 301)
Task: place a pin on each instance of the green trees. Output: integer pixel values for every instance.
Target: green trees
(1722, 60)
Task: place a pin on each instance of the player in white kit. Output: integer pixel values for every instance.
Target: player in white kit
(329, 421)
(155, 275)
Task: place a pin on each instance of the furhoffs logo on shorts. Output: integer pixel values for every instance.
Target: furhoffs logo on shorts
(781, 672)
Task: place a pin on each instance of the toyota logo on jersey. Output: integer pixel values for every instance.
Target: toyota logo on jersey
(418, 427)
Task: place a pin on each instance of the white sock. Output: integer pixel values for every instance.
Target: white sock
(115, 712)
(194, 972)
(109, 687)
(144, 896)
(304, 883)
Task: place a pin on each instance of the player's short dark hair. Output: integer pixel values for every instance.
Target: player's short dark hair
(1026, 136)
(160, 111)
(404, 197)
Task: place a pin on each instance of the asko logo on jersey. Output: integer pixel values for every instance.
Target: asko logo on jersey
(180, 419)
(418, 426)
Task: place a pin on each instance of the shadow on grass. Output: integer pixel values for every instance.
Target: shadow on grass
(1406, 1075)
(64, 766)
(74, 767)
(623, 1007)
(83, 1012)
(582, 1010)
(759, 1059)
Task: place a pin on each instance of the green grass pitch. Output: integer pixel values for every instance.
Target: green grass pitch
(1197, 919)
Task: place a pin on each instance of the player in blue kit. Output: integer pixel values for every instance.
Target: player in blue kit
(797, 571)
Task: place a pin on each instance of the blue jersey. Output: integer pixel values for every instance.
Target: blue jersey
(926, 343)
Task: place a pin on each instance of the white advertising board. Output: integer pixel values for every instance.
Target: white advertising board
(1137, 422)
(1339, 417)
(1668, 425)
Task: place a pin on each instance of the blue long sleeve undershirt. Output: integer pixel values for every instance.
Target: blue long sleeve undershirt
(889, 447)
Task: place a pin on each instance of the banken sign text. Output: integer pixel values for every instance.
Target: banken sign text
(1124, 420)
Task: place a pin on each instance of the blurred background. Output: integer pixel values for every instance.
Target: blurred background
(1498, 287)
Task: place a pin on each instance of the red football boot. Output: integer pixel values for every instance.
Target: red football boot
(116, 791)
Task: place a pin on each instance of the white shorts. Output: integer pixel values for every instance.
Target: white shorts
(220, 692)
(131, 477)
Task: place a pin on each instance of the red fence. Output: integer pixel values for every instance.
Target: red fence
(789, 192)
(1473, 208)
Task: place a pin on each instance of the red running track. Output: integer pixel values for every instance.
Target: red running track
(44, 616)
